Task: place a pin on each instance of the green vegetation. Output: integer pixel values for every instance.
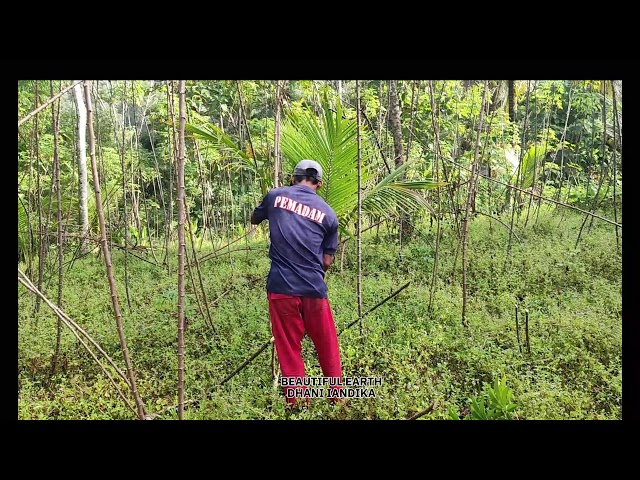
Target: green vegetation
(538, 182)
(573, 299)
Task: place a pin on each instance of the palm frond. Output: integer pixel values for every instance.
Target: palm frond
(532, 158)
(222, 142)
(387, 195)
(329, 140)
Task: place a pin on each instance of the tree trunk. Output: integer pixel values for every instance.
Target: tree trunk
(142, 414)
(168, 231)
(276, 147)
(396, 131)
(55, 117)
(613, 162)
(124, 200)
(180, 195)
(617, 91)
(499, 95)
(359, 214)
(415, 93)
(512, 100)
(517, 194)
(43, 237)
(465, 223)
(394, 123)
(437, 154)
(82, 160)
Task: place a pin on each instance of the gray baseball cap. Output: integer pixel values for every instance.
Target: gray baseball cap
(307, 167)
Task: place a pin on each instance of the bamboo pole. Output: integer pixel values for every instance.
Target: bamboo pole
(359, 215)
(180, 195)
(55, 117)
(142, 414)
(47, 103)
(465, 223)
(76, 329)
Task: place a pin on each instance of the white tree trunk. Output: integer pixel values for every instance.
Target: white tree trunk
(617, 87)
(82, 157)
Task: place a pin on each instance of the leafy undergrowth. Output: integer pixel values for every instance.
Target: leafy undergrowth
(569, 305)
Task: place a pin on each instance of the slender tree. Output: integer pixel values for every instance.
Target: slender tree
(436, 156)
(415, 93)
(124, 197)
(613, 162)
(158, 180)
(276, 145)
(398, 154)
(516, 196)
(394, 123)
(275, 365)
(180, 195)
(55, 117)
(172, 155)
(603, 167)
(41, 233)
(142, 414)
(359, 213)
(196, 262)
(465, 221)
(511, 100)
(82, 160)
(27, 208)
(243, 117)
(561, 143)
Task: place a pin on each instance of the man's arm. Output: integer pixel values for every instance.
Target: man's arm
(327, 260)
(261, 212)
(330, 246)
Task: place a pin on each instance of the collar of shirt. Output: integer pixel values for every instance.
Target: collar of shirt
(305, 187)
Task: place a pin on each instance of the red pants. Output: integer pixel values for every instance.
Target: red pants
(290, 317)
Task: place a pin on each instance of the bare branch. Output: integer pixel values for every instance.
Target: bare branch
(48, 102)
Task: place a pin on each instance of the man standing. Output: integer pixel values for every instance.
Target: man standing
(304, 239)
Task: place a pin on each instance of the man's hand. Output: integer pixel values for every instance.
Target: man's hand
(327, 260)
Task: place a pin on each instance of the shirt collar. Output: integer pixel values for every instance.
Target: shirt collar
(305, 187)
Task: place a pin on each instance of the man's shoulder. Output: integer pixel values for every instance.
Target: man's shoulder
(328, 210)
(324, 203)
(274, 192)
(279, 190)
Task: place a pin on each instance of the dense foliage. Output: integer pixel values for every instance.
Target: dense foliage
(533, 248)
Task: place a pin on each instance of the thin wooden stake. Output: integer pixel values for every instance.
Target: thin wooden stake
(180, 195)
(423, 412)
(526, 330)
(518, 330)
(359, 217)
(142, 414)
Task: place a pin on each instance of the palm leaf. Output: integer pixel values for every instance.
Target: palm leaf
(533, 157)
(221, 141)
(387, 195)
(329, 140)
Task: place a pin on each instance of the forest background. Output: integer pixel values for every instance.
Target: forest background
(479, 273)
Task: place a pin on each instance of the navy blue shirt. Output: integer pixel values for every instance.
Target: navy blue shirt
(302, 228)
